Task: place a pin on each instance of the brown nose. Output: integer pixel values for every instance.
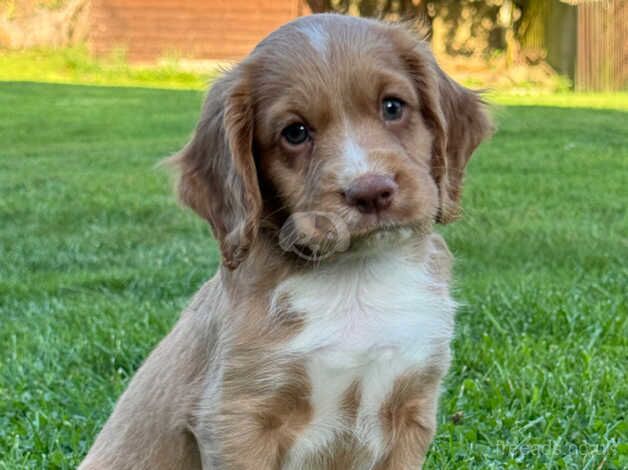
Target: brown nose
(371, 193)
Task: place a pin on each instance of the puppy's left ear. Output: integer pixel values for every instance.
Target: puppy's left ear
(465, 124)
(457, 117)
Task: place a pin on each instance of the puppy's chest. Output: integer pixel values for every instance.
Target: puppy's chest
(365, 325)
(357, 313)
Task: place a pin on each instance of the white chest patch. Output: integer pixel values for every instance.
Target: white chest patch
(367, 320)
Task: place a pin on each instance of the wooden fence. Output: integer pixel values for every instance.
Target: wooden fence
(193, 29)
(602, 60)
(586, 40)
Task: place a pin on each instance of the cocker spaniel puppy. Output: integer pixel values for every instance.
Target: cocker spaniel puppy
(321, 162)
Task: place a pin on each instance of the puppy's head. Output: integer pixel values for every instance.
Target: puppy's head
(331, 115)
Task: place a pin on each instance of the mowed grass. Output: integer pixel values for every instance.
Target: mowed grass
(97, 260)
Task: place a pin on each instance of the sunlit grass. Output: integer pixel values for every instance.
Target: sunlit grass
(74, 65)
(605, 100)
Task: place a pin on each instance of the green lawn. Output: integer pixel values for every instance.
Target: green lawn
(97, 259)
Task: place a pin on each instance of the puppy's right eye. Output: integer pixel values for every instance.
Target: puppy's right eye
(392, 109)
(296, 134)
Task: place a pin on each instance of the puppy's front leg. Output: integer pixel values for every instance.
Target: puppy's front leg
(248, 426)
(409, 421)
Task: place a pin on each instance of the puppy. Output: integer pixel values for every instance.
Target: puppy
(321, 162)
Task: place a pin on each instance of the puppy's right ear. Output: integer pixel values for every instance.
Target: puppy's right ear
(218, 177)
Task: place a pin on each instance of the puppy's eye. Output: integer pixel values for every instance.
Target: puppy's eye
(295, 134)
(392, 109)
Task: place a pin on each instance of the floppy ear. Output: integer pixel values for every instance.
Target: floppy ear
(466, 124)
(218, 176)
(458, 119)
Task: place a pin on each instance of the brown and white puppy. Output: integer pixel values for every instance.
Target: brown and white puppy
(321, 162)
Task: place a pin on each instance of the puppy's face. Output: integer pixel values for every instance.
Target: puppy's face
(339, 129)
(331, 115)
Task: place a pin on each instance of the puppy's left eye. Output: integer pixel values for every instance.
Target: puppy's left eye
(296, 134)
(392, 109)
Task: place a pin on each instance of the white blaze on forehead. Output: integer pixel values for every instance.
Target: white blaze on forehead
(316, 36)
(354, 159)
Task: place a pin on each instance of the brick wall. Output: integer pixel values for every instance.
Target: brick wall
(190, 29)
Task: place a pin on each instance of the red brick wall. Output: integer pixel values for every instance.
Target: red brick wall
(191, 29)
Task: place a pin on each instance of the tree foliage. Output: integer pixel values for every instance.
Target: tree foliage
(469, 26)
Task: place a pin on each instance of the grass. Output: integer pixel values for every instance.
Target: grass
(96, 260)
(75, 65)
